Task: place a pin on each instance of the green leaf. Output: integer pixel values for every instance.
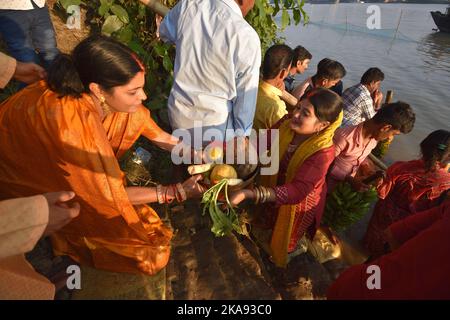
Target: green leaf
(160, 50)
(260, 6)
(167, 63)
(297, 16)
(136, 47)
(67, 3)
(125, 35)
(141, 11)
(111, 25)
(121, 13)
(285, 19)
(304, 15)
(103, 9)
(108, 2)
(276, 9)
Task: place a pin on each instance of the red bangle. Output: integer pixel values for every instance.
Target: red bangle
(174, 190)
(165, 196)
(181, 191)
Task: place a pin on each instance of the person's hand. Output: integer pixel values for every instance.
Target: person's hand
(193, 188)
(378, 99)
(238, 196)
(29, 72)
(60, 212)
(329, 234)
(358, 185)
(158, 20)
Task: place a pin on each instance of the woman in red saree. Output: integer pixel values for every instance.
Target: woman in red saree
(410, 187)
(298, 190)
(417, 268)
(67, 133)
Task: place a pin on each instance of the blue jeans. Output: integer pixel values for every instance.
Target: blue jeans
(29, 35)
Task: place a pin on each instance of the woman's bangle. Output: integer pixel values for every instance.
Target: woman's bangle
(181, 191)
(159, 195)
(264, 196)
(166, 199)
(257, 195)
(266, 190)
(177, 194)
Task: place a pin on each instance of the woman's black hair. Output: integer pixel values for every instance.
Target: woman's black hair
(96, 59)
(327, 104)
(435, 148)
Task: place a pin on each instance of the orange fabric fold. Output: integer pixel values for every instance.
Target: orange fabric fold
(50, 144)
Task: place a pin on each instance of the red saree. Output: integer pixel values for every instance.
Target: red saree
(407, 189)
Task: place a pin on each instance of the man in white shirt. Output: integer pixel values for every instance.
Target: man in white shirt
(26, 28)
(216, 70)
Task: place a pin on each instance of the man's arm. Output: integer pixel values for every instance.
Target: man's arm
(23, 221)
(7, 68)
(26, 72)
(169, 25)
(247, 80)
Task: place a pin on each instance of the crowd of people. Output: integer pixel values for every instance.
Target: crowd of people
(62, 135)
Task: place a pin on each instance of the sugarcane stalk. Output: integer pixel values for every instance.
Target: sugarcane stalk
(389, 96)
(289, 98)
(156, 7)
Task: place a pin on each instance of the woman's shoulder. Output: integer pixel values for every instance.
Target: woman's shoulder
(411, 166)
(321, 157)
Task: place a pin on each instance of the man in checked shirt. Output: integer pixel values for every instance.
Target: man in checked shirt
(363, 100)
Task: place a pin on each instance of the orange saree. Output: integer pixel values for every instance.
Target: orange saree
(51, 144)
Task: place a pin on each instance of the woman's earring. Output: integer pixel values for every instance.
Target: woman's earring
(106, 109)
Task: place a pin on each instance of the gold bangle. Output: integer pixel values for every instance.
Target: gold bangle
(159, 196)
(264, 192)
(255, 190)
(267, 194)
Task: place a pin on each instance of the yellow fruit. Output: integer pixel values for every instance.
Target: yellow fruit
(222, 171)
(215, 153)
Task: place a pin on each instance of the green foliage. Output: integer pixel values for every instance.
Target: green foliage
(345, 206)
(223, 223)
(262, 19)
(8, 91)
(381, 149)
(133, 24)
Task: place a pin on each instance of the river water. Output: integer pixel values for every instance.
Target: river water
(414, 58)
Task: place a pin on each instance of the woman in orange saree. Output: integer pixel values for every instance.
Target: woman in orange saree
(67, 133)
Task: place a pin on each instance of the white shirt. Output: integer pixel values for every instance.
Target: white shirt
(20, 4)
(216, 72)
